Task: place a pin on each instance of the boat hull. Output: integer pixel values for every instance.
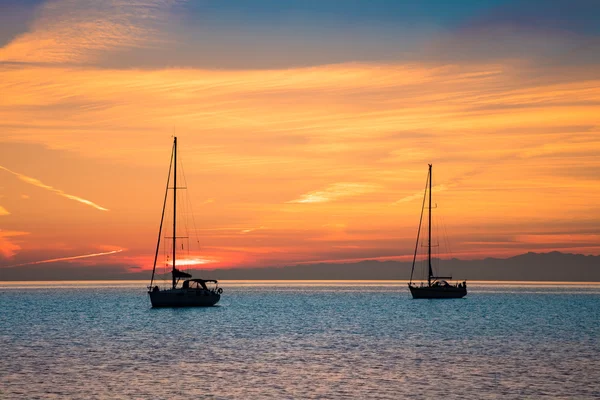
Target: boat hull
(183, 298)
(438, 292)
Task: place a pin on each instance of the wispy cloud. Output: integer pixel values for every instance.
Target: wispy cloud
(335, 192)
(7, 247)
(579, 239)
(77, 32)
(244, 231)
(106, 253)
(38, 183)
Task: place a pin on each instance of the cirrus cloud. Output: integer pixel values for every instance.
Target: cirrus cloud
(336, 191)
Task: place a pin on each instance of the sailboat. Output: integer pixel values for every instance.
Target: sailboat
(437, 287)
(192, 292)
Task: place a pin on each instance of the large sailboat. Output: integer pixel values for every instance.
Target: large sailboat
(437, 287)
(192, 292)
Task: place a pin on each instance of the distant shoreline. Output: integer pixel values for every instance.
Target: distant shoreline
(527, 267)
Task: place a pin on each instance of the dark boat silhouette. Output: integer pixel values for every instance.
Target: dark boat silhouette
(437, 287)
(193, 292)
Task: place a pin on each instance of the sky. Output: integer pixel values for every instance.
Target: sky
(305, 129)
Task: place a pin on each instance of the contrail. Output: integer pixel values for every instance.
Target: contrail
(66, 258)
(37, 183)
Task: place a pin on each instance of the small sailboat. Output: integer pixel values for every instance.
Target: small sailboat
(192, 292)
(437, 287)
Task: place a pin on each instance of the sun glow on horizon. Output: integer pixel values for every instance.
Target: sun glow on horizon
(190, 261)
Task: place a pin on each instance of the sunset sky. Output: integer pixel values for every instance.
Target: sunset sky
(305, 128)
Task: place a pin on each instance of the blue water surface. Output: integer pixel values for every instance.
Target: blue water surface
(300, 340)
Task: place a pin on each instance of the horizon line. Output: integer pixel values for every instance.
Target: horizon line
(300, 281)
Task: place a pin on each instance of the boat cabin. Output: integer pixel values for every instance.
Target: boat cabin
(197, 284)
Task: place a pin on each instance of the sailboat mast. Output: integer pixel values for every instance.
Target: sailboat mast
(429, 242)
(175, 206)
(162, 218)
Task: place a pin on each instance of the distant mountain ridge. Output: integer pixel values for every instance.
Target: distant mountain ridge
(553, 266)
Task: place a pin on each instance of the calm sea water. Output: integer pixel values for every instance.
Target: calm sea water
(300, 340)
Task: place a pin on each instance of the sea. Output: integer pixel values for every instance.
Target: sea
(300, 340)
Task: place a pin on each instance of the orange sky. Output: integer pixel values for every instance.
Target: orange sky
(285, 165)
